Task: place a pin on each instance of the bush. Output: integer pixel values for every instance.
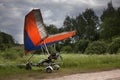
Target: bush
(18, 50)
(66, 49)
(81, 45)
(10, 55)
(52, 49)
(39, 51)
(2, 47)
(96, 47)
(114, 46)
(21, 53)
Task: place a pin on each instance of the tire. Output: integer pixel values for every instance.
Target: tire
(28, 66)
(48, 70)
(56, 67)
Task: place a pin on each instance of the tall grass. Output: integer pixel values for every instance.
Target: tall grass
(83, 62)
(91, 62)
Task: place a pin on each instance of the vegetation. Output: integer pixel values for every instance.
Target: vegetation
(114, 46)
(67, 49)
(86, 24)
(110, 22)
(98, 47)
(6, 41)
(90, 28)
(81, 45)
(91, 62)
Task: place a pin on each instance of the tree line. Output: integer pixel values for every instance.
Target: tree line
(6, 41)
(89, 26)
(93, 32)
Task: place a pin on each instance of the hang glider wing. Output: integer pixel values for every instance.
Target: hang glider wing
(51, 40)
(35, 34)
(58, 37)
(34, 29)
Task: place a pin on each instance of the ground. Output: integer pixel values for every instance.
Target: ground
(103, 75)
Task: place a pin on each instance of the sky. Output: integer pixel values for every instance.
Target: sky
(12, 12)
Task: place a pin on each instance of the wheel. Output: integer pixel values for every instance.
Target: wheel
(49, 69)
(28, 66)
(56, 67)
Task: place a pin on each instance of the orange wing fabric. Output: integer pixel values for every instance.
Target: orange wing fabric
(58, 37)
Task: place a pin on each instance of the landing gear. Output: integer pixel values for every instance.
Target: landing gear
(49, 69)
(28, 66)
(48, 63)
(56, 67)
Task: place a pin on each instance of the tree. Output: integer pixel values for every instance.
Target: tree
(114, 46)
(80, 26)
(96, 47)
(81, 45)
(108, 12)
(61, 29)
(68, 24)
(110, 25)
(6, 41)
(52, 29)
(87, 24)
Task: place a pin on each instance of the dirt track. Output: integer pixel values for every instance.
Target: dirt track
(104, 75)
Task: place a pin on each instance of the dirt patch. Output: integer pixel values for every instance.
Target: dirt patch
(104, 75)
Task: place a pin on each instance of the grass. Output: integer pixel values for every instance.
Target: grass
(91, 62)
(73, 63)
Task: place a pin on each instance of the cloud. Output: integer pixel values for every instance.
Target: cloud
(12, 12)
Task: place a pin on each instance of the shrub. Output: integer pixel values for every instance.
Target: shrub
(81, 45)
(66, 49)
(114, 46)
(52, 49)
(21, 53)
(96, 47)
(18, 50)
(39, 51)
(10, 54)
(2, 47)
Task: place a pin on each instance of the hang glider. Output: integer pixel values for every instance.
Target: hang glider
(35, 34)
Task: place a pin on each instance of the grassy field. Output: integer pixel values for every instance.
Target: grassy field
(91, 62)
(72, 63)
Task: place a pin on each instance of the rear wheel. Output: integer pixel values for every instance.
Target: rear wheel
(28, 66)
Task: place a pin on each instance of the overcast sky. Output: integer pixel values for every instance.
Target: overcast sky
(12, 12)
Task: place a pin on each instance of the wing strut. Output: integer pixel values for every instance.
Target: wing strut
(46, 48)
(30, 57)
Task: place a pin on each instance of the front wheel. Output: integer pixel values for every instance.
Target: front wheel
(56, 67)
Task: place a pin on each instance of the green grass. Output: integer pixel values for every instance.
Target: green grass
(91, 62)
(73, 63)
